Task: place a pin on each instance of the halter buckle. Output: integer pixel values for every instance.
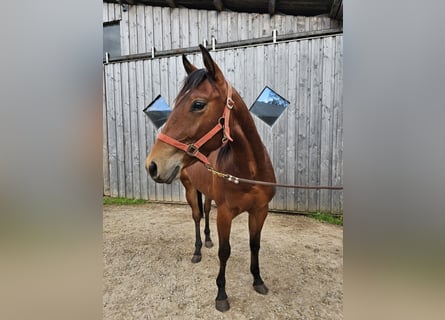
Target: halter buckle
(230, 103)
(192, 150)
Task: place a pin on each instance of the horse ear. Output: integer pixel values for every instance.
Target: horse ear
(188, 66)
(211, 66)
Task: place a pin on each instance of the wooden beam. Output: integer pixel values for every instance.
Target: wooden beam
(171, 3)
(218, 5)
(272, 7)
(233, 44)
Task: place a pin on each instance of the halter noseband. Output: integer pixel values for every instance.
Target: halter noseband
(192, 149)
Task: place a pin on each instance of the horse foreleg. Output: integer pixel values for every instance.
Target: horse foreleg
(194, 199)
(256, 221)
(224, 223)
(197, 215)
(207, 207)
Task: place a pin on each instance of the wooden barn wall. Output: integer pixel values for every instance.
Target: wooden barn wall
(144, 27)
(305, 144)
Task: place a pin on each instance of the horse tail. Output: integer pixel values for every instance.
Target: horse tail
(201, 208)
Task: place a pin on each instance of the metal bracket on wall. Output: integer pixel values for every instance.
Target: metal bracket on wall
(152, 52)
(213, 43)
(274, 35)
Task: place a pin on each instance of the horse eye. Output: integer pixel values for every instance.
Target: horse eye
(198, 105)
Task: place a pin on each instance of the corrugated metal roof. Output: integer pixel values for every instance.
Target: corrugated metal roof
(334, 8)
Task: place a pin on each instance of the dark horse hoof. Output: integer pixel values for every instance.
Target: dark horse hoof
(222, 305)
(196, 258)
(261, 288)
(209, 244)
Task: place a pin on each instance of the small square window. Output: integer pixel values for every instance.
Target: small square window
(269, 106)
(158, 111)
(112, 39)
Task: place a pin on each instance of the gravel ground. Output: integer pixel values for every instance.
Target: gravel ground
(148, 273)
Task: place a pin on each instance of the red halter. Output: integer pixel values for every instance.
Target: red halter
(192, 149)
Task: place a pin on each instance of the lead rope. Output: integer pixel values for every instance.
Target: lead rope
(237, 180)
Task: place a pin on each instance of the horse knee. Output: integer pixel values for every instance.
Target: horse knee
(224, 253)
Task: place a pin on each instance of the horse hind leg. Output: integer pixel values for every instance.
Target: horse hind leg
(207, 207)
(256, 221)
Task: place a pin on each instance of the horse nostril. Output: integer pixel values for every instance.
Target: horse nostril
(153, 169)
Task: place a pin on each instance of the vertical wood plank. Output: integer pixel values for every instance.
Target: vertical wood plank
(119, 129)
(157, 28)
(140, 105)
(212, 20)
(105, 12)
(105, 161)
(135, 161)
(266, 29)
(174, 17)
(279, 127)
(166, 32)
(111, 126)
(128, 173)
(337, 155)
(140, 26)
(184, 28)
(149, 40)
(194, 28)
(303, 119)
(125, 34)
(133, 29)
(222, 27)
(288, 22)
(117, 11)
(315, 123)
(326, 124)
(243, 26)
(203, 26)
(111, 12)
(291, 126)
(250, 77)
(232, 29)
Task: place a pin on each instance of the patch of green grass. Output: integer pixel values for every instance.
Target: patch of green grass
(122, 201)
(326, 217)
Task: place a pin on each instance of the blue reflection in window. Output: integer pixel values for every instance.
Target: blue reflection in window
(158, 111)
(269, 106)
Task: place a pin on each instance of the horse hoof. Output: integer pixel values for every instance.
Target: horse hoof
(261, 289)
(222, 305)
(209, 244)
(196, 258)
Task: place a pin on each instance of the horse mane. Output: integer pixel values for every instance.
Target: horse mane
(223, 152)
(192, 81)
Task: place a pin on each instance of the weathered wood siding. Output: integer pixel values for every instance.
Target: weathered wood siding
(144, 27)
(305, 143)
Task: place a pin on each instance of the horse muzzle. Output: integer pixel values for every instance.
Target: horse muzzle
(164, 163)
(166, 178)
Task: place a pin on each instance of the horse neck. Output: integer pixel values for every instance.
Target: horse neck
(248, 149)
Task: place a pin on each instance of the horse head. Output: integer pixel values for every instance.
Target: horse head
(196, 126)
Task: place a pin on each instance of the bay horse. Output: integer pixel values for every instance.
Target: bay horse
(211, 128)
